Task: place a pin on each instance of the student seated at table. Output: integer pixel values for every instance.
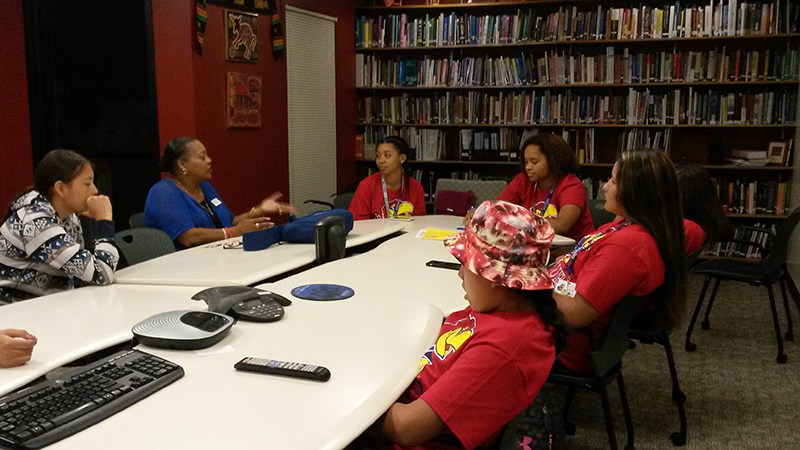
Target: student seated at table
(16, 347)
(187, 207)
(41, 238)
(703, 215)
(638, 254)
(491, 358)
(548, 185)
(390, 192)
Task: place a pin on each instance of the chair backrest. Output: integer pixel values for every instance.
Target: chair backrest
(136, 220)
(141, 244)
(779, 250)
(597, 209)
(615, 342)
(483, 189)
(342, 201)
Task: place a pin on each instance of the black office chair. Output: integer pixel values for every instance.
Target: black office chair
(597, 209)
(764, 272)
(136, 220)
(649, 332)
(141, 244)
(606, 359)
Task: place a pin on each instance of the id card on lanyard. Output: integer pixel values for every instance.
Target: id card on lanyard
(386, 197)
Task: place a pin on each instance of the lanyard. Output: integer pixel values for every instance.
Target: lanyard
(586, 243)
(386, 196)
(547, 200)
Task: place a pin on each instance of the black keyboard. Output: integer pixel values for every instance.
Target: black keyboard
(54, 409)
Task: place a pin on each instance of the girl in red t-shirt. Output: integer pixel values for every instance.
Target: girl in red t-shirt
(389, 193)
(491, 358)
(641, 253)
(548, 185)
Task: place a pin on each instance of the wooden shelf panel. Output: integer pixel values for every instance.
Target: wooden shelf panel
(748, 168)
(756, 216)
(568, 125)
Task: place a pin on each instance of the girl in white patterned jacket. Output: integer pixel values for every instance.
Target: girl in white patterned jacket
(41, 240)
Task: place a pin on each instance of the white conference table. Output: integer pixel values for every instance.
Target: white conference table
(214, 265)
(372, 349)
(73, 324)
(395, 270)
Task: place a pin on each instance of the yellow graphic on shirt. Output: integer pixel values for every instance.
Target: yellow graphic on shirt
(551, 210)
(448, 342)
(404, 209)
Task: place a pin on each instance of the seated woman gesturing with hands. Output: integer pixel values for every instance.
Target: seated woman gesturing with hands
(187, 207)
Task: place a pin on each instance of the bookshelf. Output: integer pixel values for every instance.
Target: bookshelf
(465, 83)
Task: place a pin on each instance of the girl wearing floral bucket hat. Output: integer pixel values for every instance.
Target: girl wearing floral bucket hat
(491, 358)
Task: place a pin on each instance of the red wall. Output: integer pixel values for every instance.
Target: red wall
(248, 163)
(16, 158)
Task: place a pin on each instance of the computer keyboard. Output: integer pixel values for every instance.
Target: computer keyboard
(54, 409)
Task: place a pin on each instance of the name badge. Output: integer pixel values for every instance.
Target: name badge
(216, 202)
(565, 287)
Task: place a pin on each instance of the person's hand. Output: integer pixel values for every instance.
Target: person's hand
(271, 205)
(468, 216)
(249, 224)
(16, 347)
(98, 208)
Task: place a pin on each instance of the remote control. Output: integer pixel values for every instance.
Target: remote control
(289, 369)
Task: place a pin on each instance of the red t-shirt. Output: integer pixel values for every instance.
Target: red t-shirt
(483, 370)
(695, 236)
(569, 191)
(623, 262)
(368, 202)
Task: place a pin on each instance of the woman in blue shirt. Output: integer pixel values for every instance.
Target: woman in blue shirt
(187, 207)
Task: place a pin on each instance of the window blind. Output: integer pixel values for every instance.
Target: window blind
(311, 81)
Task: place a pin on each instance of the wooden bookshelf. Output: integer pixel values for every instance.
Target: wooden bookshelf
(696, 88)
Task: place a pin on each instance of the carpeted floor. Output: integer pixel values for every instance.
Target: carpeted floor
(738, 396)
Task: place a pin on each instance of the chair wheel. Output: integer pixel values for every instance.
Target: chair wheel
(569, 429)
(679, 397)
(789, 336)
(690, 347)
(705, 325)
(632, 344)
(781, 359)
(678, 439)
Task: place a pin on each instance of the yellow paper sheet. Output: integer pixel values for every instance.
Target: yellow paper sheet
(433, 234)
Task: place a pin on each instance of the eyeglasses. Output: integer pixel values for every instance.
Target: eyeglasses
(232, 245)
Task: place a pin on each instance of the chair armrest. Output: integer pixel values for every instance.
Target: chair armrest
(319, 202)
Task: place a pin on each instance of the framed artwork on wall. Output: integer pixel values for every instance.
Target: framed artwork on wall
(241, 36)
(244, 100)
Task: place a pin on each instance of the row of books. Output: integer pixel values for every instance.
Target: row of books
(636, 107)
(505, 144)
(709, 18)
(427, 144)
(566, 68)
(754, 197)
(594, 187)
(731, 249)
